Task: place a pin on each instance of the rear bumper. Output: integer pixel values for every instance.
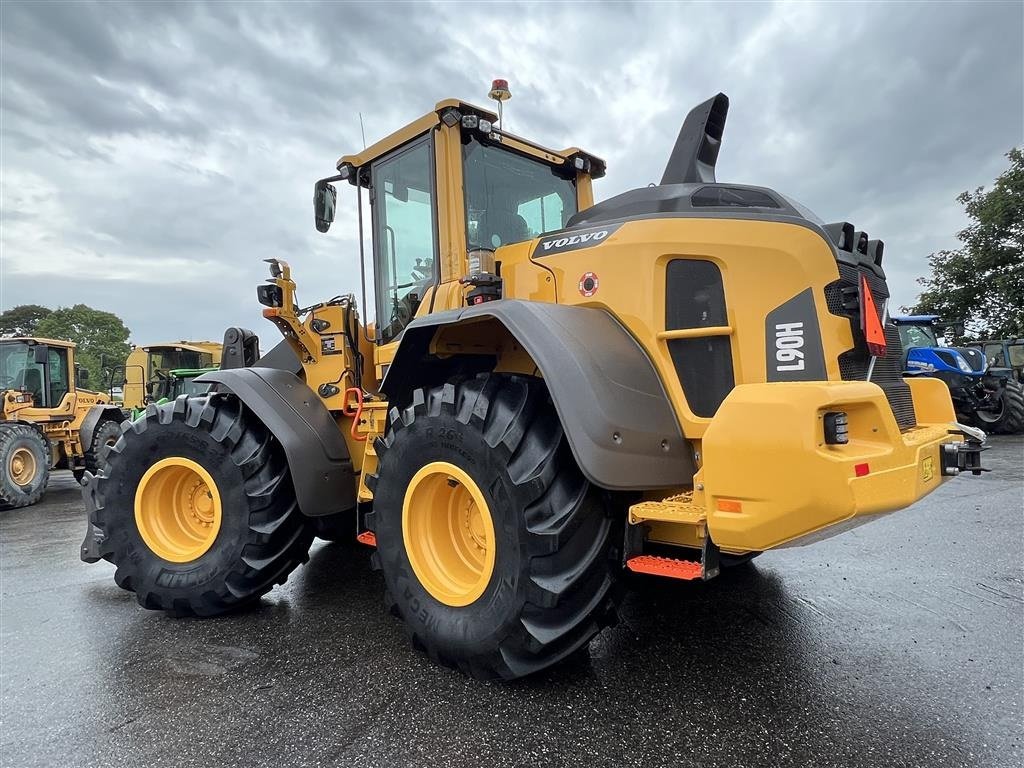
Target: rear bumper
(770, 479)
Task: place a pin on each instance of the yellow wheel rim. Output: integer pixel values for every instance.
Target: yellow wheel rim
(178, 509)
(449, 534)
(22, 466)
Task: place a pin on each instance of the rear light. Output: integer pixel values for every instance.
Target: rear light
(836, 428)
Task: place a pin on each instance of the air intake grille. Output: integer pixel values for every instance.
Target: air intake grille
(841, 298)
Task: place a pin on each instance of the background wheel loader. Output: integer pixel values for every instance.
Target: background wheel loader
(47, 421)
(146, 375)
(554, 391)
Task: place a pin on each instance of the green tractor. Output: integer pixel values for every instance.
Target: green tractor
(178, 381)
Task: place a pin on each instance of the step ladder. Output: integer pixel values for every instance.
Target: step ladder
(679, 510)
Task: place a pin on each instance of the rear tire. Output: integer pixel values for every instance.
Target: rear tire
(551, 581)
(25, 460)
(260, 535)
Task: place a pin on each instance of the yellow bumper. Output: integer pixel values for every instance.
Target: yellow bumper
(770, 479)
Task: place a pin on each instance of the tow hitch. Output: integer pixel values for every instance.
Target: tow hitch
(965, 456)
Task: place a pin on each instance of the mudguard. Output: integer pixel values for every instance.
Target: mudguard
(615, 412)
(93, 418)
(316, 451)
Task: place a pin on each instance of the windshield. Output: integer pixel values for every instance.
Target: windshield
(511, 198)
(917, 336)
(18, 369)
(162, 360)
(188, 386)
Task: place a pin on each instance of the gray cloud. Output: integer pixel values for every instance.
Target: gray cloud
(154, 154)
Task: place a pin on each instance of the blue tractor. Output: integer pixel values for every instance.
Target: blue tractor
(983, 398)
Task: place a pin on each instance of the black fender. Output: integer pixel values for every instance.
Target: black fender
(97, 414)
(613, 407)
(317, 454)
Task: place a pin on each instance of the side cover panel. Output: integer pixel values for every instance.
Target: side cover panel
(317, 455)
(614, 410)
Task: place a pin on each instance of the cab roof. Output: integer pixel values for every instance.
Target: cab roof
(39, 340)
(192, 346)
(428, 121)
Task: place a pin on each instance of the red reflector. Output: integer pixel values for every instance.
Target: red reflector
(870, 323)
(861, 469)
(369, 538)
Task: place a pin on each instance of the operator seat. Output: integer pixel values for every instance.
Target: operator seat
(31, 382)
(499, 227)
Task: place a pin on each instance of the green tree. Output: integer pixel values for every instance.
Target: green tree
(982, 282)
(22, 320)
(99, 335)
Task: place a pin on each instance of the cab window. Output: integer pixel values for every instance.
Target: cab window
(917, 336)
(994, 354)
(511, 197)
(1016, 355)
(57, 365)
(404, 234)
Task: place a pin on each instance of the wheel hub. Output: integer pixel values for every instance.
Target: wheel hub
(22, 466)
(178, 509)
(448, 533)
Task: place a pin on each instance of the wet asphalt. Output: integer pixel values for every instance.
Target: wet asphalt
(900, 643)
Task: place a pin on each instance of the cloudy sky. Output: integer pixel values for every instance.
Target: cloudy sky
(154, 153)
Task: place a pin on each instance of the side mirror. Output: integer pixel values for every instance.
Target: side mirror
(324, 199)
(40, 353)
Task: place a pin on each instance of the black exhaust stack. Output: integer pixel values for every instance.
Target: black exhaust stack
(696, 151)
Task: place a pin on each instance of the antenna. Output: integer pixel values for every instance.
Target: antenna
(361, 131)
(500, 93)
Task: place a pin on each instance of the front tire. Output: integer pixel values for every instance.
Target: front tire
(25, 460)
(496, 551)
(105, 437)
(1010, 418)
(196, 508)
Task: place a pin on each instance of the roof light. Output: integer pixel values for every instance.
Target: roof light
(470, 121)
(500, 91)
(451, 117)
(485, 126)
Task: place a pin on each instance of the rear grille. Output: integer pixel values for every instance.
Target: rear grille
(841, 298)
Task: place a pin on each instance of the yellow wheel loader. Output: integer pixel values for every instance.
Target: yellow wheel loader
(554, 392)
(47, 421)
(147, 370)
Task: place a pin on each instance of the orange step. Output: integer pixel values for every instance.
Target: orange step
(665, 566)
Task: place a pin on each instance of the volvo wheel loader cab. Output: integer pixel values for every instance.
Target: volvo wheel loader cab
(145, 375)
(552, 391)
(47, 421)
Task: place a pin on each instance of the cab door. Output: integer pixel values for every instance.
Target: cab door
(403, 199)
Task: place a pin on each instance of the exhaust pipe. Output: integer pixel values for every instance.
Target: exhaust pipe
(696, 151)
